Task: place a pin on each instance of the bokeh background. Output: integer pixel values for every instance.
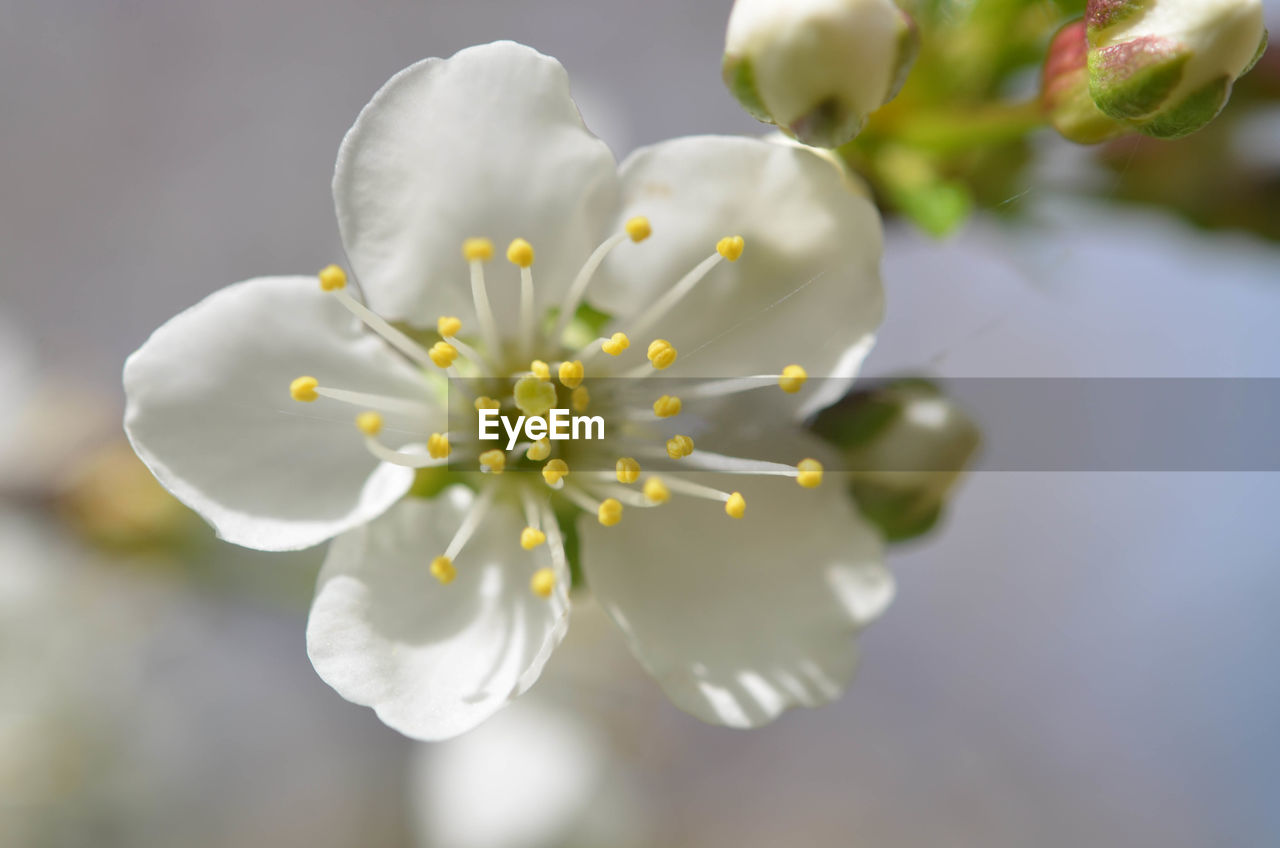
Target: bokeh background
(1073, 659)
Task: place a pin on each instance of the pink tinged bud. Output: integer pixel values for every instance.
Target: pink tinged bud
(1166, 67)
(1064, 92)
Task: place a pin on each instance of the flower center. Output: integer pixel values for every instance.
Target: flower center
(599, 477)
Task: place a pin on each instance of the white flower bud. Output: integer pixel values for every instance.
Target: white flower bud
(817, 68)
(1167, 66)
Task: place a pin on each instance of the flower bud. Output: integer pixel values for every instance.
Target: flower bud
(905, 445)
(1167, 66)
(817, 68)
(1064, 92)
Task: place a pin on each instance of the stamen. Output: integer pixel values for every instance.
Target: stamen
(627, 469)
(571, 374)
(708, 461)
(735, 505)
(661, 354)
(733, 385)
(616, 344)
(475, 515)
(540, 369)
(609, 512)
(666, 406)
(809, 473)
(477, 251)
(554, 472)
(307, 389)
(493, 461)
(520, 253)
(539, 450)
(442, 569)
(555, 544)
(729, 248)
(579, 399)
(531, 537)
(438, 446)
(637, 229)
(443, 354)
(543, 582)
(448, 325)
(304, 389)
(655, 491)
(370, 423)
(679, 447)
(392, 336)
(486, 402)
(792, 379)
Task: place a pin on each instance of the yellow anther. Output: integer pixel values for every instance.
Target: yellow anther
(735, 506)
(304, 389)
(554, 471)
(810, 475)
(666, 406)
(571, 373)
(792, 379)
(438, 446)
(477, 250)
(656, 491)
(443, 354)
(520, 252)
(616, 344)
(493, 461)
(442, 569)
(485, 402)
(661, 354)
(543, 582)
(679, 447)
(447, 325)
(579, 399)
(332, 278)
(628, 470)
(531, 537)
(610, 512)
(369, 423)
(638, 228)
(730, 247)
(540, 369)
(533, 395)
(539, 450)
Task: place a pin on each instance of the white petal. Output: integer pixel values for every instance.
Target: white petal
(486, 143)
(432, 660)
(209, 412)
(806, 290)
(740, 619)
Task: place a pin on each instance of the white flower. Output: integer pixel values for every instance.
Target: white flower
(437, 611)
(817, 68)
(1167, 66)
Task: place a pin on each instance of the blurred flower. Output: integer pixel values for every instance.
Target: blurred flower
(1167, 66)
(427, 608)
(544, 772)
(817, 68)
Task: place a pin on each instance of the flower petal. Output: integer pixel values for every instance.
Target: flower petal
(209, 412)
(739, 620)
(432, 660)
(806, 289)
(486, 143)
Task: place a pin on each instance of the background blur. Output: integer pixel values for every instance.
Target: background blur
(1073, 659)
